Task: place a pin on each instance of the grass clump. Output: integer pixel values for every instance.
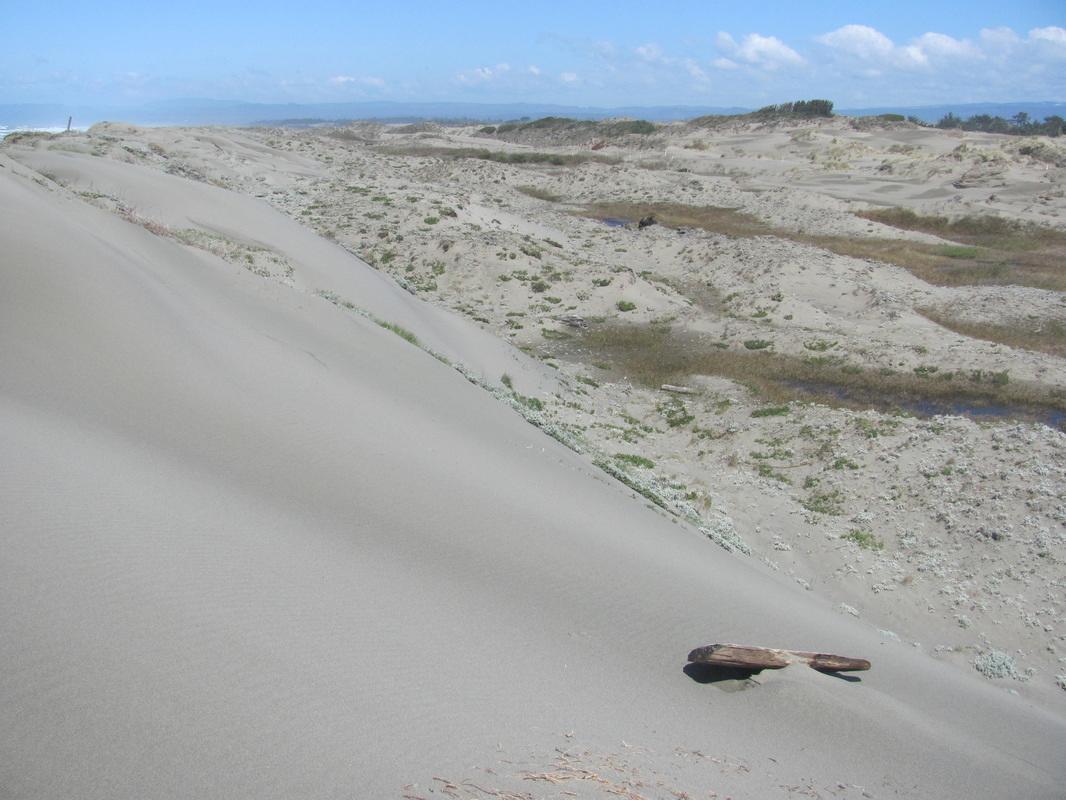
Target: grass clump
(771, 411)
(636, 461)
(829, 503)
(539, 194)
(400, 331)
(864, 539)
(757, 344)
(675, 413)
(625, 305)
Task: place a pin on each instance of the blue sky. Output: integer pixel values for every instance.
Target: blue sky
(592, 53)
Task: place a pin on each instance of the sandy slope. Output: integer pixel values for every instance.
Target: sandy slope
(254, 545)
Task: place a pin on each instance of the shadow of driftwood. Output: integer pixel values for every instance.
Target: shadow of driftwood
(842, 676)
(716, 673)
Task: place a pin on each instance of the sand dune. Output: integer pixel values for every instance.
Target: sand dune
(255, 545)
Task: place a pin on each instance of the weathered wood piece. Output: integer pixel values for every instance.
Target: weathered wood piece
(752, 657)
(669, 387)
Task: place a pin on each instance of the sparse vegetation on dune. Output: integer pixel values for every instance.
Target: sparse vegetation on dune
(1041, 335)
(539, 194)
(1000, 251)
(728, 221)
(499, 156)
(991, 250)
(653, 355)
(585, 128)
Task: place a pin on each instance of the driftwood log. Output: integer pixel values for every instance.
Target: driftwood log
(749, 657)
(669, 387)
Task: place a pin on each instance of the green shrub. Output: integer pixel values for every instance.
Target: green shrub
(757, 344)
(403, 333)
(864, 539)
(771, 411)
(675, 413)
(625, 305)
(636, 461)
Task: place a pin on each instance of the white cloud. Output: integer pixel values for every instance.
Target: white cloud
(347, 80)
(1052, 35)
(482, 74)
(1049, 34)
(939, 45)
(861, 41)
(650, 52)
(533, 69)
(868, 44)
(568, 77)
(767, 52)
(695, 71)
(998, 39)
(725, 63)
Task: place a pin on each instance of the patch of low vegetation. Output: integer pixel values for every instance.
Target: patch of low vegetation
(990, 250)
(829, 502)
(864, 539)
(400, 331)
(28, 137)
(675, 413)
(539, 193)
(771, 411)
(625, 305)
(1041, 335)
(727, 221)
(656, 354)
(636, 461)
(500, 156)
(586, 128)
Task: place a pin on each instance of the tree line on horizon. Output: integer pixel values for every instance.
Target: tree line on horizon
(1018, 125)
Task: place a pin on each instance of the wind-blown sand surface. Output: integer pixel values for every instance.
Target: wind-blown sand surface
(254, 544)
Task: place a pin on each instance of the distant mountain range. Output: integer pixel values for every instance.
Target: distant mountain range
(220, 112)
